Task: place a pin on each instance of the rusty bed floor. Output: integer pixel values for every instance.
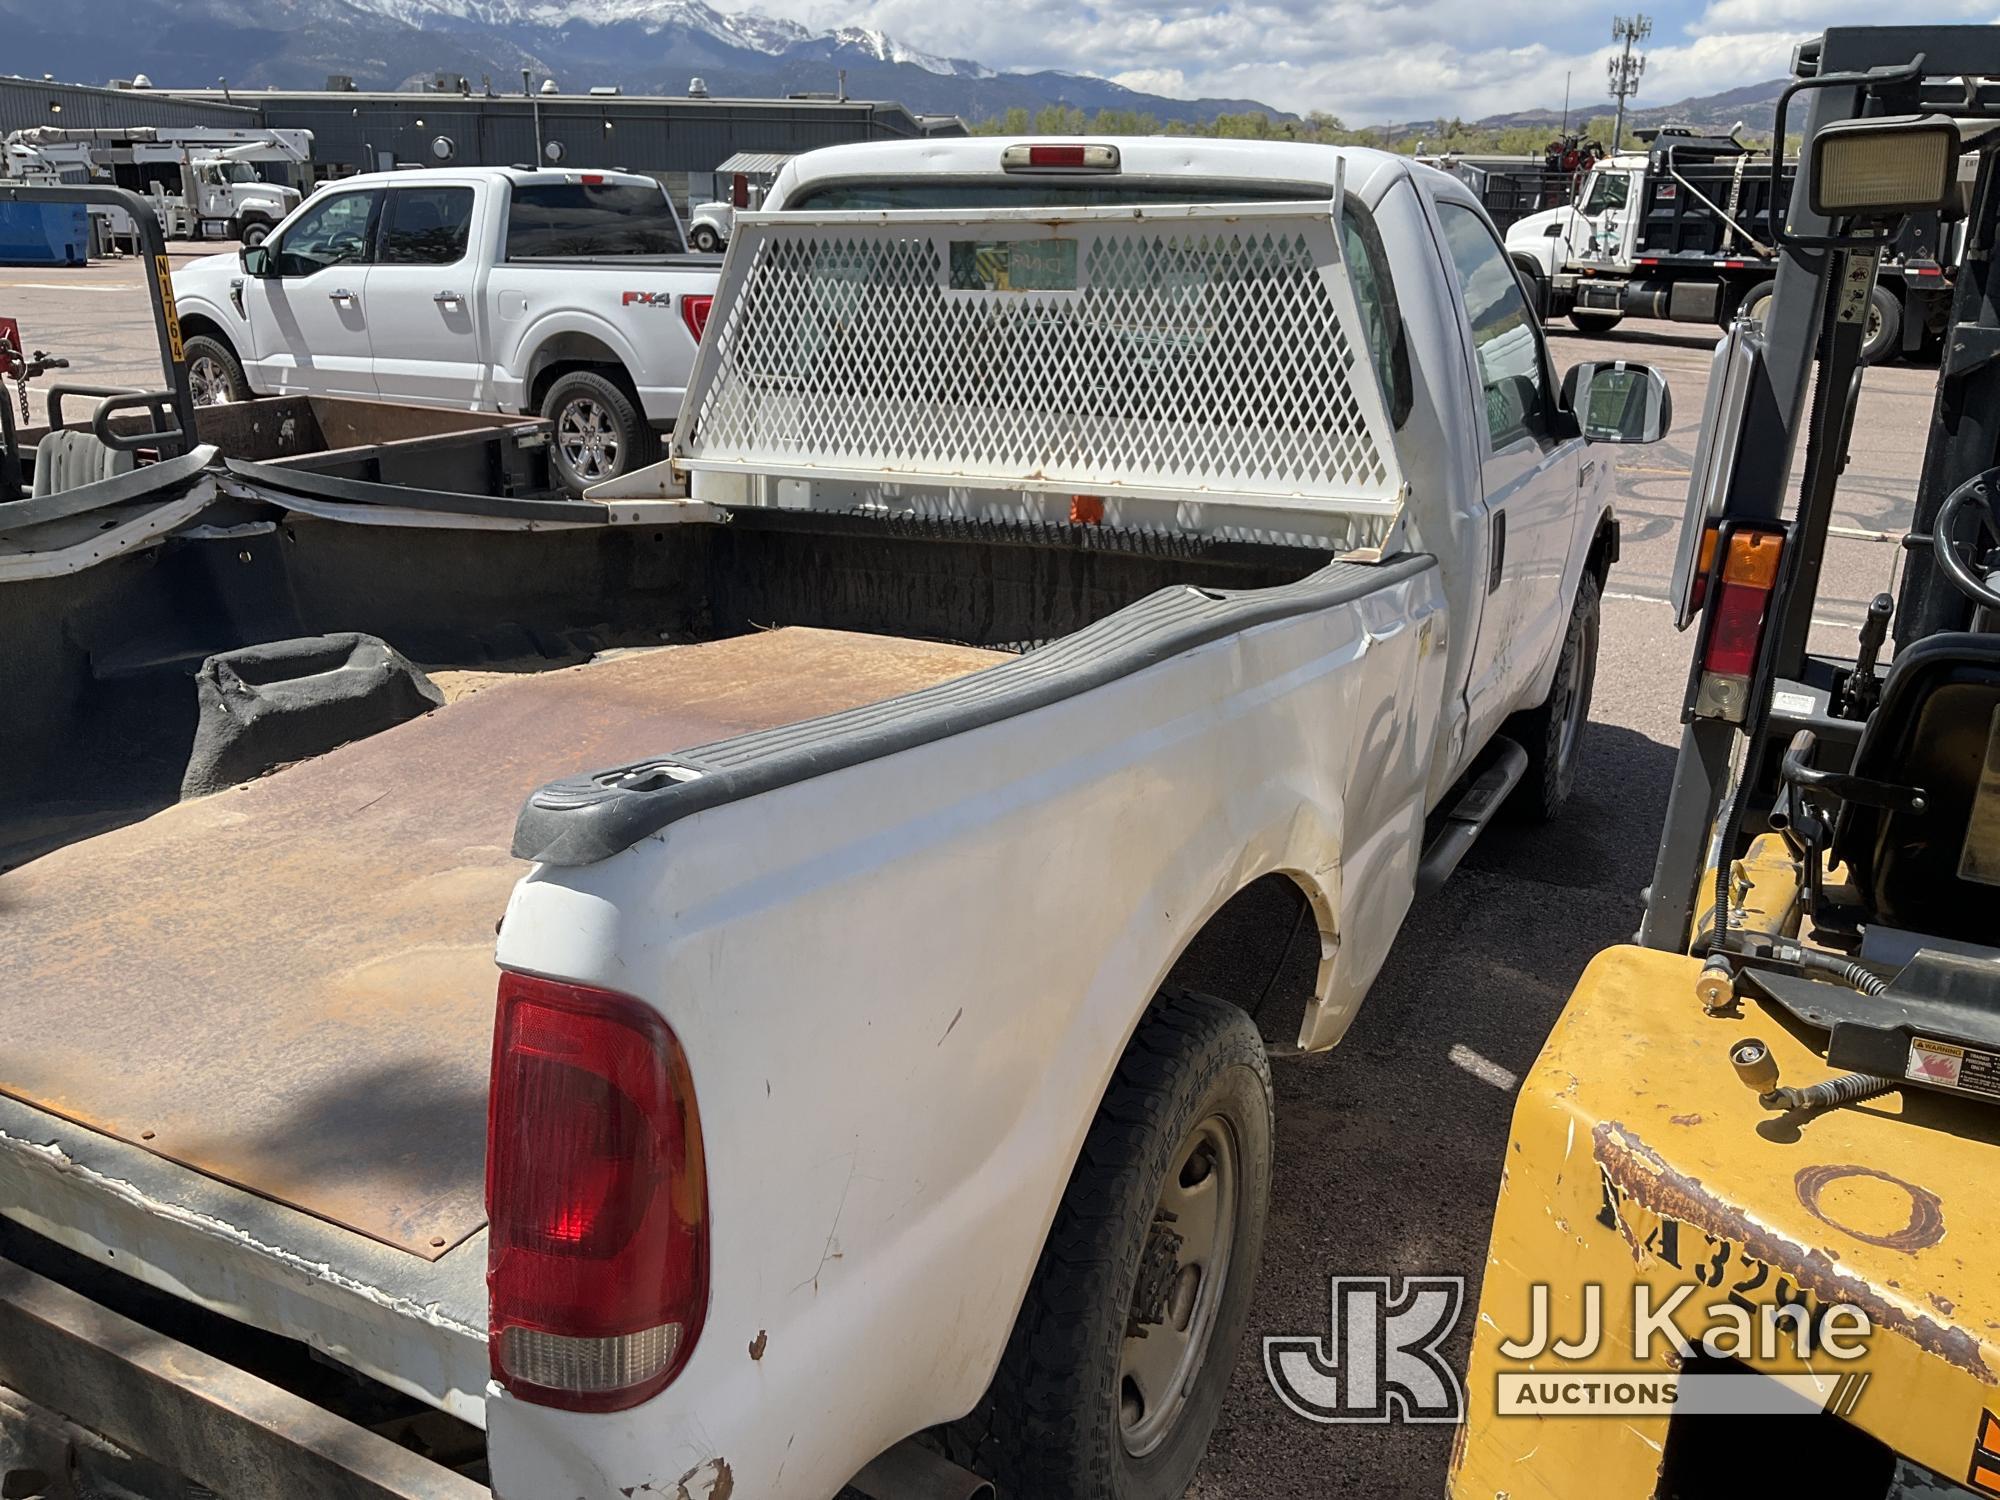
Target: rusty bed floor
(289, 985)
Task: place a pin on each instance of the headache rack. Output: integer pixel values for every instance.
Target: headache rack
(1200, 368)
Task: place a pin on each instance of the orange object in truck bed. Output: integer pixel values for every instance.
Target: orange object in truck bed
(289, 985)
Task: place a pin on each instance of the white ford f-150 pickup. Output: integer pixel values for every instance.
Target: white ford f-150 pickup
(571, 294)
(1171, 546)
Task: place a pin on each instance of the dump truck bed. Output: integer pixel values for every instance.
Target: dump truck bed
(288, 986)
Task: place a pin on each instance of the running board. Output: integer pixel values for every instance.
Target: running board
(1504, 764)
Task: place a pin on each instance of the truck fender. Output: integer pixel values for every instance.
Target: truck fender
(569, 336)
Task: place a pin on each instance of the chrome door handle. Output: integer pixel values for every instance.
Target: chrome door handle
(340, 294)
(444, 299)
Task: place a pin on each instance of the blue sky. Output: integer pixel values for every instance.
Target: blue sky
(1370, 61)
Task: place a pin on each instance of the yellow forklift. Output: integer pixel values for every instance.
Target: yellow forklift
(1748, 1231)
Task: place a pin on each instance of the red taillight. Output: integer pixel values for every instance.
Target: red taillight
(1055, 156)
(593, 179)
(1736, 612)
(694, 313)
(596, 1197)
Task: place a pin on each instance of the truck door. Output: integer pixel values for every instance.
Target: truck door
(1606, 206)
(309, 319)
(423, 298)
(1530, 473)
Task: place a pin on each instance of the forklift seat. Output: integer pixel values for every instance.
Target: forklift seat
(1937, 727)
(72, 457)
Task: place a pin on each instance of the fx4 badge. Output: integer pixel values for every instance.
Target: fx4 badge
(1379, 1361)
(648, 299)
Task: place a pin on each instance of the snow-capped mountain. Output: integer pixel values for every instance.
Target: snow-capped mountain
(652, 46)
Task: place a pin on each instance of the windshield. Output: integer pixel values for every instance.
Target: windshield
(1044, 192)
(241, 171)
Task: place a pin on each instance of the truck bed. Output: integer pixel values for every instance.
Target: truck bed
(288, 986)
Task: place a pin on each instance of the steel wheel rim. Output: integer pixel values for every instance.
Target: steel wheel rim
(1178, 1296)
(588, 439)
(208, 384)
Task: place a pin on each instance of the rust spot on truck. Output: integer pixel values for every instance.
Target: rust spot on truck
(1924, 1229)
(759, 1344)
(1637, 1171)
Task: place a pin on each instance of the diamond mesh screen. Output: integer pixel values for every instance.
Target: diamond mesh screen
(1212, 352)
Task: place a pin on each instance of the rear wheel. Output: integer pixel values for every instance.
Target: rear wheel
(215, 375)
(1552, 731)
(705, 239)
(1883, 340)
(1116, 1370)
(597, 432)
(1595, 319)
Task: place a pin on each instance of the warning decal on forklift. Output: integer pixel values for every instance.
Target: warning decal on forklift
(1984, 1475)
(164, 270)
(1979, 859)
(1954, 1067)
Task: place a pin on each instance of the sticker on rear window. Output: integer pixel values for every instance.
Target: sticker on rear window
(1013, 265)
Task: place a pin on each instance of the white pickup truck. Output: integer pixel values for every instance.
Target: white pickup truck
(566, 293)
(1089, 564)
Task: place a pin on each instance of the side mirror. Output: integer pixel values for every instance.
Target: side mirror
(1616, 401)
(257, 260)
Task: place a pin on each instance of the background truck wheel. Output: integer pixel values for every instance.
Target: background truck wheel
(1884, 339)
(1552, 732)
(1534, 285)
(704, 239)
(597, 432)
(1594, 319)
(1159, 1234)
(1757, 299)
(253, 232)
(215, 375)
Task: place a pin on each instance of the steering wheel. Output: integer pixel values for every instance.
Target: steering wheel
(1964, 565)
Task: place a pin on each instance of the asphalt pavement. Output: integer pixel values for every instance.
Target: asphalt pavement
(1390, 1147)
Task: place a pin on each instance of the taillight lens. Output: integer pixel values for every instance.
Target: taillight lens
(1735, 619)
(596, 1196)
(694, 313)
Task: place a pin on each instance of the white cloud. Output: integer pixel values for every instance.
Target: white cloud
(1369, 61)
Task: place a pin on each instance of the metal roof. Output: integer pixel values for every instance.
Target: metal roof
(755, 162)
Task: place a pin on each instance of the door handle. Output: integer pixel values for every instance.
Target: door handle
(1497, 562)
(445, 299)
(340, 294)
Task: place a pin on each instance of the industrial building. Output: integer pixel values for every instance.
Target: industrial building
(668, 136)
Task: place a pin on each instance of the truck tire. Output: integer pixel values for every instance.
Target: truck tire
(705, 239)
(1594, 319)
(1186, 1122)
(596, 431)
(1552, 731)
(1534, 286)
(215, 374)
(1884, 339)
(1756, 299)
(253, 232)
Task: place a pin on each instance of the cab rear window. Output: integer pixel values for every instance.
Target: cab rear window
(1042, 192)
(586, 219)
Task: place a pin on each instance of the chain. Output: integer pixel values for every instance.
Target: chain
(21, 386)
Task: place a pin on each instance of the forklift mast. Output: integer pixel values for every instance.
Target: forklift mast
(1808, 355)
